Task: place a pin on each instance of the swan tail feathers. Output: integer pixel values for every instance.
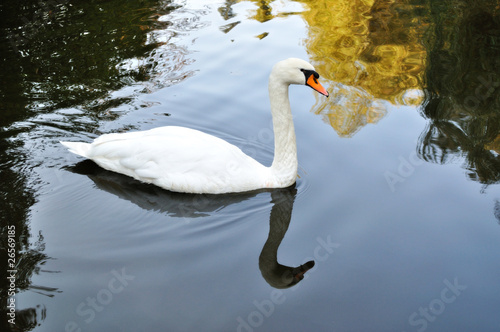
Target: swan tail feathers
(79, 148)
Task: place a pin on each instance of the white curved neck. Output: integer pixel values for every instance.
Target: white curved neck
(284, 166)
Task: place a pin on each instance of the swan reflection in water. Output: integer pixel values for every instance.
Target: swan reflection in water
(277, 275)
(150, 197)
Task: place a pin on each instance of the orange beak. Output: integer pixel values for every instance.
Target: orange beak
(313, 83)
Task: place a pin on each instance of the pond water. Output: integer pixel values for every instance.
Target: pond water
(397, 199)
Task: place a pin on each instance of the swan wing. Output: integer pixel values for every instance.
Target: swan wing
(179, 159)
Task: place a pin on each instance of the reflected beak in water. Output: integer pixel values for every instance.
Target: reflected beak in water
(312, 81)
(299, 272)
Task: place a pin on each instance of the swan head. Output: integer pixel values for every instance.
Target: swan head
(298, 71)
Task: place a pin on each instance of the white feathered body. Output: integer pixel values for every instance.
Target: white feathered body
(178, 159)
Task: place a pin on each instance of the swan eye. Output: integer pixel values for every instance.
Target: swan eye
(308, 73)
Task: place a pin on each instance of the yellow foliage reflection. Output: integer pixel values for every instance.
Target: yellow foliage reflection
(263, 13)
(366, 50)
(267, 10)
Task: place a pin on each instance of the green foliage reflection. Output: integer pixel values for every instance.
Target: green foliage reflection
(463, 88)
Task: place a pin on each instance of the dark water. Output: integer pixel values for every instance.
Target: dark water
(397, 200)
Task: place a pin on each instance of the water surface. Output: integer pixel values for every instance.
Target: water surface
(397, 200)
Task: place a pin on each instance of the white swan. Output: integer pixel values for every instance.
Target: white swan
(187, 160)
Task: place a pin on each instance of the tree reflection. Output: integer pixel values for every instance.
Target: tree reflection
(263, 13)
(463, 88)
(62, 54)
(18, 196)
(369, 51)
